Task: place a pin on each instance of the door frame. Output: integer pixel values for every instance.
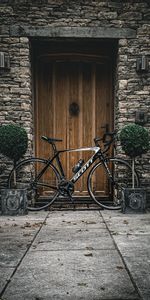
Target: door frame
(86, 48)
(83, 55)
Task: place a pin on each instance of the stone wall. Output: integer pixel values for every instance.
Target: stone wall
(20, 20)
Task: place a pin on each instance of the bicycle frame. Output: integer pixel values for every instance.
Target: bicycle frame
(86, 166)
(83, 169)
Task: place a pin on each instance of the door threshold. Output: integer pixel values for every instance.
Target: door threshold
(80, 203)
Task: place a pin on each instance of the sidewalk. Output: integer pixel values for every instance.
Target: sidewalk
(88, 255)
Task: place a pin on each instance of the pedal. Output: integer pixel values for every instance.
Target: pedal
(70, 197)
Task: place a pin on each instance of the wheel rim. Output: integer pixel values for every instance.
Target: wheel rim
(25, 174)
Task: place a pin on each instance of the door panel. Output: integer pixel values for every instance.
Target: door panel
(62, 85)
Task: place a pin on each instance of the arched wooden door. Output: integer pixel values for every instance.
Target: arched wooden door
(74, 103)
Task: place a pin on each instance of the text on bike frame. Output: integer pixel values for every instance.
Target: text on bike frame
(86, 165)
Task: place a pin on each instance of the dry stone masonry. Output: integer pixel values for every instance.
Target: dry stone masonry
(126, 21)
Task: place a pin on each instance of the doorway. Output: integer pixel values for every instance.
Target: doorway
(73, 101)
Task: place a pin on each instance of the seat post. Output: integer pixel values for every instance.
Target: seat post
(54, 148)
(56, 152)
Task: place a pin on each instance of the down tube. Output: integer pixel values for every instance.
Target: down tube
(83, 169)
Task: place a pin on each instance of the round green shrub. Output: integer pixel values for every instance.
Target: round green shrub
(135, 140)
(13, 141)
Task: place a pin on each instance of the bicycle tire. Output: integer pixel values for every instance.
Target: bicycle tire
(122, 172)
(25, 173)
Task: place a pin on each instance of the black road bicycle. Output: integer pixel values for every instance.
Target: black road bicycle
(38, 174)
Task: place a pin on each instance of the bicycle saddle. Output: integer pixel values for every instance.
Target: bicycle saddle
(50, 140)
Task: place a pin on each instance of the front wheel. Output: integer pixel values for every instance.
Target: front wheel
(40, 181)
(121, 177)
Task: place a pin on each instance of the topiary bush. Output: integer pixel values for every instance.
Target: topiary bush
(135, 140)
(13, 141)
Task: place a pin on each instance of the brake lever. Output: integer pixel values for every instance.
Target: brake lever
(109, 134)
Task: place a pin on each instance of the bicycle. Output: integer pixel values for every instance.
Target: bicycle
(38, 174)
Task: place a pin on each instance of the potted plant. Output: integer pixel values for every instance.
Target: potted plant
(13, 144)
(135, 141)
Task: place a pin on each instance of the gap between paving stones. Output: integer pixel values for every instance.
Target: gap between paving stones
(27, 223)
(131, 233)
(123, 260)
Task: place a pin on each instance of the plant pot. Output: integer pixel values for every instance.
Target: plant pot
(13, 202)
(133, 200)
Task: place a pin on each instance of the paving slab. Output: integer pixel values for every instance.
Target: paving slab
(16, 236)
(69, 255)
(75, 218)
(86, 274)
(80, 231)
(131, 234)
(49, 239)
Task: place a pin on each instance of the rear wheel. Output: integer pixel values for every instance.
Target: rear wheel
(121, 172)
(41, 192)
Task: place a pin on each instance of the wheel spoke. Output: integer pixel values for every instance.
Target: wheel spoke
(121, 177)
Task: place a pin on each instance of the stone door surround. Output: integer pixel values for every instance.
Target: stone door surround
(72, 32)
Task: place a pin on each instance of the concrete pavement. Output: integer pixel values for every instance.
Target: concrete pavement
(81, 254)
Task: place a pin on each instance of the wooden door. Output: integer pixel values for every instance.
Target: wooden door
(73, 102)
